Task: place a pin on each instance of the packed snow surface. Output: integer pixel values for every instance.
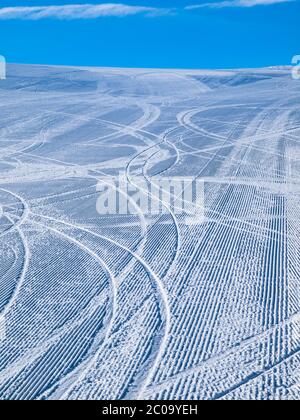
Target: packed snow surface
(136, 306)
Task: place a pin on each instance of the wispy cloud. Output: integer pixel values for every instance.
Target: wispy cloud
(81, 11)
(237, 3)
(92, 11)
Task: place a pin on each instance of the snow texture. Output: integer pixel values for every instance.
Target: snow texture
(137, 307)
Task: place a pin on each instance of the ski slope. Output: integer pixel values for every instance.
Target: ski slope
(143, 306)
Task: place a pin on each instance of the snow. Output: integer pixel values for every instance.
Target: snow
(115, 306)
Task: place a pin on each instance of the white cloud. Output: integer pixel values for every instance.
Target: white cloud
(81, 11)
(92, 11)
(237, 3)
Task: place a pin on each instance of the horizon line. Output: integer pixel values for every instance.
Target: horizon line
(270, 67)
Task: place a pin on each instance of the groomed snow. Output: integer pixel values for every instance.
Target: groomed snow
(137, 306)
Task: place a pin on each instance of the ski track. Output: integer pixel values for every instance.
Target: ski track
(142, 306)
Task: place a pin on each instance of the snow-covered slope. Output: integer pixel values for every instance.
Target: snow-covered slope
(138, 305)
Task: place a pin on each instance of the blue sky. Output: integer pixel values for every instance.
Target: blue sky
(152, 33)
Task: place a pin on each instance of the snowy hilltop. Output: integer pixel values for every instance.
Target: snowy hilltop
(201, 303)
